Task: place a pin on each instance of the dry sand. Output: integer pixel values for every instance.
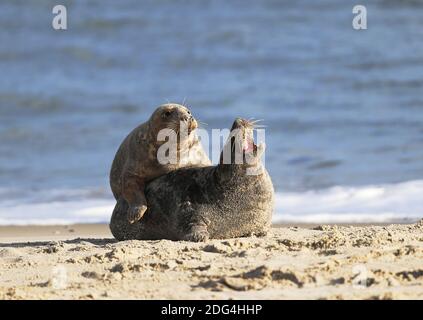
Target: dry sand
(325, 262)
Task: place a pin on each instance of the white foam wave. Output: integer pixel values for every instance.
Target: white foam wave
(57, 212)
(384, 203)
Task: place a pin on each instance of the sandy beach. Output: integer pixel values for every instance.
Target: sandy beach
(292, 262)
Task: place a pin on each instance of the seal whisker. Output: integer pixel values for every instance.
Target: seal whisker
(255, 121)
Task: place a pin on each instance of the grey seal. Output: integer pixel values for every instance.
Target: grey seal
(214, 202)
(136, 161)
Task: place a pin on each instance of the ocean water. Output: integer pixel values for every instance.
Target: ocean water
(343, 108)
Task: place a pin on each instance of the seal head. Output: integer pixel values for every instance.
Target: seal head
(170, 116)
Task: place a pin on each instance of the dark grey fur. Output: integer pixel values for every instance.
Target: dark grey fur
(197, 204)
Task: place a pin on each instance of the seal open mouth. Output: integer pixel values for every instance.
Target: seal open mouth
(249, 146)
(240, 148)
(246, 128)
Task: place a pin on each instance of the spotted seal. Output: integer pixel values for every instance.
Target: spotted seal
(214, 202)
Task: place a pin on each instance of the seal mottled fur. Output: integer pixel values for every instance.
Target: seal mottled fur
(196, 204)
(136, 160)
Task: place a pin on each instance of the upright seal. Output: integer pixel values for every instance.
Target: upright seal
(136, 160)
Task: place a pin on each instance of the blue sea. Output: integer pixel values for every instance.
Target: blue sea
(343, 108)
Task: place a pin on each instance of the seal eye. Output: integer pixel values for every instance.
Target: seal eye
(166, 114)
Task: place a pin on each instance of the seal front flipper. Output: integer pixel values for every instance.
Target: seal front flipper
(135, 213)
(194, 224)
(133, 193)
(197, 233)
